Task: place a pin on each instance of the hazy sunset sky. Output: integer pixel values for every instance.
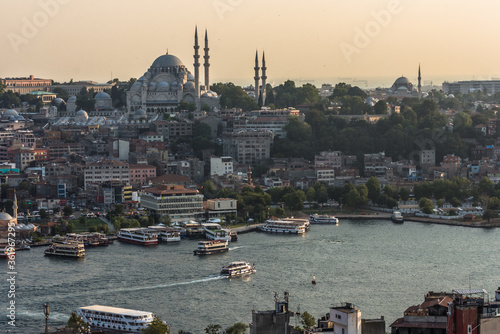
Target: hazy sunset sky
(324, 40)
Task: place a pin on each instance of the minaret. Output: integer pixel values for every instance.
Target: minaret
(419, 87)
(196, 64)
(206, 64)
(256, 77)
(14, 206)
(263, 77)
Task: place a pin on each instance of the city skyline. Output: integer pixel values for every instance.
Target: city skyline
(324, 41)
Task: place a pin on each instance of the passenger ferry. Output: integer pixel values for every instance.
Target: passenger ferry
(138, 235)
(237, 268)
(294, 226)
(211, 247)
(323, 219)
(70, 249)
(166, 234)
(397, 217)
(214, 231)
(115, 319)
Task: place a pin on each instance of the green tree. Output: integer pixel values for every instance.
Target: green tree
(307, 320)
(380, 108)
(426, 205)
(68, 210)
(156, 327)
(213, 329)
(311, 194)
(237, 328)
(76, 323)
(373, 186)
(404, 194)
(455, 202)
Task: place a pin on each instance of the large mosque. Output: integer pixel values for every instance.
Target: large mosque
(168, 82)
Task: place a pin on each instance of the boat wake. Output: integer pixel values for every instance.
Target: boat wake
(237, 247)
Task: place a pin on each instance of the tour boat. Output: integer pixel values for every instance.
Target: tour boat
(138, 235)
(323, 219)
(214, 231)
(211, 247)
(115, 319)
(70, 249)
(397, 217)
(237, 268)
(167, 234)
(295, 226)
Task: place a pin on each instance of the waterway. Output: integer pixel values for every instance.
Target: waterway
(381, 267)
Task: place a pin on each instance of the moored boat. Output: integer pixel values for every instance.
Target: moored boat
(115, 319)
(137, 235)
(323, 219)
(291, 226)
(397, 217)
(237, 268)
(70, 249)
(167, 234)
(214, 231)
(211, 247)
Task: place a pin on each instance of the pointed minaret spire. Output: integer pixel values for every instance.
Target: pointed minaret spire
(419, 87)
(14, 206)
(264, 77)
(256, 77)
(206, 64)
(196, 64)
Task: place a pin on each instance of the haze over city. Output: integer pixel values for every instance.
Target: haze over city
(323, 40)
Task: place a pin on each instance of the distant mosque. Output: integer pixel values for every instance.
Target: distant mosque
(168, 82)
(260, 91)
(402, 87)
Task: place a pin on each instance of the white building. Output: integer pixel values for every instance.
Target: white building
(106, 170)
(174, 201)
(248, 147)
(346, 319)
(325, 175)
(221, 165)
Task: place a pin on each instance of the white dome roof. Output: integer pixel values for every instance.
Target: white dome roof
(5, 216)
(102, 96)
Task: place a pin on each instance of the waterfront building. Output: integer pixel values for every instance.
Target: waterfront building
(221, 207)
(168, 82)
(106, 170)
(174, 201)
(25, 85)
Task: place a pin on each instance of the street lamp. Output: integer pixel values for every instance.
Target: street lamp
(46, 311)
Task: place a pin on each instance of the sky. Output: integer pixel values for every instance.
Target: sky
(318, 41)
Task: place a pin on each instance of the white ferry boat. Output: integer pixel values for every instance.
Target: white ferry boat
(294, 226)
(166, 234)
(214, 231)
(323, 219)
(237, 268)
(115, 319)
(397, 217)
(70, 249)
(138, 235)
(211, 247)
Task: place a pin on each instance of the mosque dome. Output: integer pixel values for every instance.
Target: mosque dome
(167, 61)
(137, 85)
(163, 85)
(140, 113)
(402, 84)
(371, 101)
(5, 216)
(190, 77)
(10, 112)
(152, 85)
(58, 101)
(72, 98)
(102, 96)
(189, 86)
(81, 115)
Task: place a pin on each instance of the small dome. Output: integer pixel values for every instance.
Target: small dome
(5, 216)
(190, 77)
(451, 96)
(137, 85)
(81, 115)
(167, 61)
(72, 98)
(163, 85)
(10, 112)
(58, 101)
(102, 96)
(175, 83)
(152, 85)
(189, 86)
(140, 112)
